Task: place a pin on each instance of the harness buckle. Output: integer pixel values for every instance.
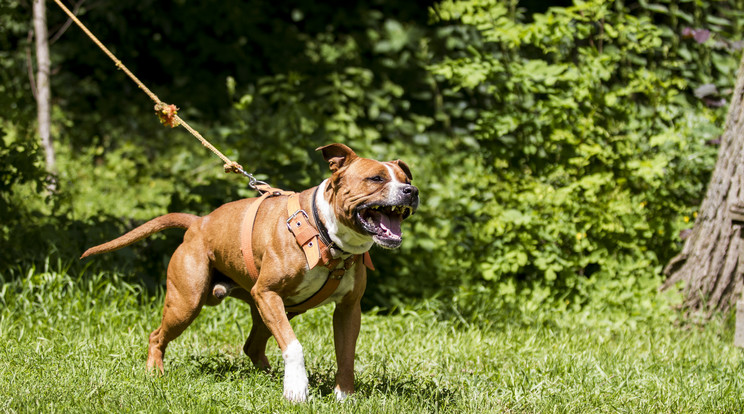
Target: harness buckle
(289, 220)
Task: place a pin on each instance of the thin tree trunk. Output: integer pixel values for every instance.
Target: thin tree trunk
(43, 91)
(710, 263)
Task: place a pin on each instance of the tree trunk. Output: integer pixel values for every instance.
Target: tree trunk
(43, 91)
(710, 264)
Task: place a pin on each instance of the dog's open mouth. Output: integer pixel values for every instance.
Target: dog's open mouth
(383, 223)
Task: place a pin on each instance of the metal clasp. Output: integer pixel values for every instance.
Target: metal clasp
(253, 182)
(289, 225)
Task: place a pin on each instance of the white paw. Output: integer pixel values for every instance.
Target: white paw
(341, 395)
(295, 378)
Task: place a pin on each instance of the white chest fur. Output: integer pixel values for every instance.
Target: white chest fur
(314, 279)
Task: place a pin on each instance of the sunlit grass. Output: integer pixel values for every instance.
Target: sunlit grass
(78, 343)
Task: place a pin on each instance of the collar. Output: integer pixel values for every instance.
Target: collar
(322, 230)
(324, 235)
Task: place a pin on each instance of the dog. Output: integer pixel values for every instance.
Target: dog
(284, 253)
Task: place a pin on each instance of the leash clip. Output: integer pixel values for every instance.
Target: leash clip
(253, 182)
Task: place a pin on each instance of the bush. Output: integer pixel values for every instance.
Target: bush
(593, 152)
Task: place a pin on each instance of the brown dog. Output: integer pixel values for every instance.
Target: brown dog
(363, 202)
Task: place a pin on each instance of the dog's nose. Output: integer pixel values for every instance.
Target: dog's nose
(409, 190)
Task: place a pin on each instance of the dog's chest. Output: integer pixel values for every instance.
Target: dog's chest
(314, 279)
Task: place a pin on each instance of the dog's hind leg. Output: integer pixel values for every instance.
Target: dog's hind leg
(186, 292)
(255, 345)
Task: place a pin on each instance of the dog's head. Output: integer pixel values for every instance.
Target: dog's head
(370, 197)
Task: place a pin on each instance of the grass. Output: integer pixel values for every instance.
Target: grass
(77, 343)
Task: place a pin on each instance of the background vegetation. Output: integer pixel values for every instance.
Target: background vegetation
(559, 152)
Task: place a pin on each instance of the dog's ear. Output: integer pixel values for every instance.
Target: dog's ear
(337, 155)
(403, 166)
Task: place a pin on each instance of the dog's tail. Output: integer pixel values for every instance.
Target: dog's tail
(178, 220)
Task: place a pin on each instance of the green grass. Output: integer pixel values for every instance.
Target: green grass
(77, 343)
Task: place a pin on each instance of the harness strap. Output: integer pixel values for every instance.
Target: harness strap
(367, 260)
(246, 234)
(308, 238)
(330, 286)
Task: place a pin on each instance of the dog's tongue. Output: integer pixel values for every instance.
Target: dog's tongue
(390, 224)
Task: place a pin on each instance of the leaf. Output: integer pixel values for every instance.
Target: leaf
(704, 90)
(658, 8)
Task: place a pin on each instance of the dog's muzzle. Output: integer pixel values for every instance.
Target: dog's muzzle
(383, 220)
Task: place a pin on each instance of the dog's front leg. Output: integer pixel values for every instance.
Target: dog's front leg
(347, 319)
(271, 308)
(346, 322)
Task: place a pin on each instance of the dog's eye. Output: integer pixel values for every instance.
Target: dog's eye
(376, 179)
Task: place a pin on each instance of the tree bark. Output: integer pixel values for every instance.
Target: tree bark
(43, 91)
(710, 263)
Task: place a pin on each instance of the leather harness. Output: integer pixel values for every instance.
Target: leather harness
(315, 243)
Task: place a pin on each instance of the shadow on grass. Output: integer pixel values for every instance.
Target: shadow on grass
(224, 366)
(409, 385)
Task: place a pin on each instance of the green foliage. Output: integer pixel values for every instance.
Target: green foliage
(336, 92)
(18, 149)
(559, 151)
(22, 170)
(592, 150)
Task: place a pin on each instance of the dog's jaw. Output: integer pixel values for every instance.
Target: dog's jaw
(389, 212)
(345, 238)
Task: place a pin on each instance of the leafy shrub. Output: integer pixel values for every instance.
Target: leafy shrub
(592, 150)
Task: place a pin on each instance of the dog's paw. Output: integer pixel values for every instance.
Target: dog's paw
(155, 363)
(295, 378)
(341, 396)
(297, 392)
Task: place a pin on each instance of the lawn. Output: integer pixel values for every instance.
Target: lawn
(77, 343)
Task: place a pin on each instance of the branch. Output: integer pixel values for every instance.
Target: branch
(67, 24)
(30, 65)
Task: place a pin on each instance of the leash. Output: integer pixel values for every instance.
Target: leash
(167, 113)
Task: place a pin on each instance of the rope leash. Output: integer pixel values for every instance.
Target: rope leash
(167, 113)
